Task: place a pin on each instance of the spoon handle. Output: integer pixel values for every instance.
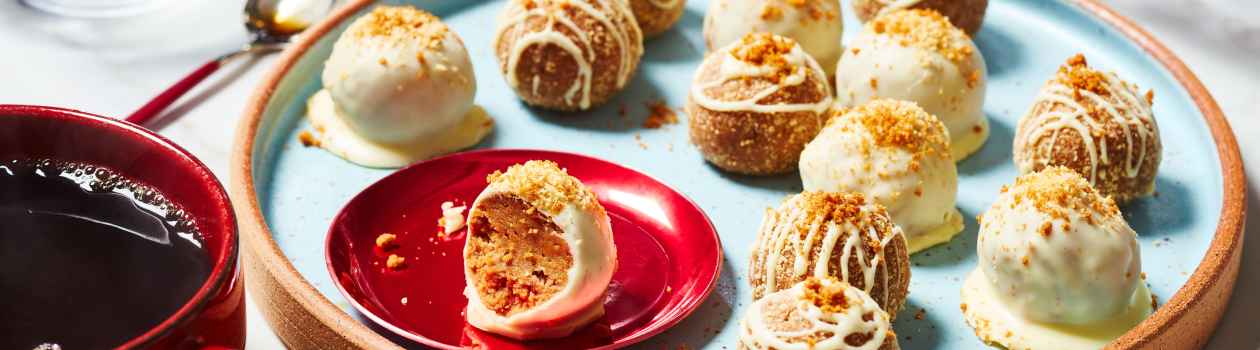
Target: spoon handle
(155, 106)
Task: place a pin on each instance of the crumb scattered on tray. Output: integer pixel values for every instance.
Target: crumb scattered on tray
(920, 314)
(387, 241)
(395, 262)
(659, 115)
(307, 139)
(639, 139)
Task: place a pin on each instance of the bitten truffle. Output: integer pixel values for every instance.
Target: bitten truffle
(539, 254)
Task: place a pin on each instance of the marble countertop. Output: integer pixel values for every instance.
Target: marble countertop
(110, 67)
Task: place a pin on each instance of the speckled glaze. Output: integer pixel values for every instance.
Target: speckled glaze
(1190, 233)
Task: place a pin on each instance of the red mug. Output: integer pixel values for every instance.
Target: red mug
(215, 316)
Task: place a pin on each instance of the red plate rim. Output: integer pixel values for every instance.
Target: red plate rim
(680, 312)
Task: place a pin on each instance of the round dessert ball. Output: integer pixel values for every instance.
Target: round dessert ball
(398, 88)
(916, 55)
(539, 254)
(1059, 268)
(828, 234)
(965, 14)
(1057, 251)
(657, 16)
(817, 314)
(755, 103)
(1095, 124)
(567, 55)
(815, 24)
(898, 156)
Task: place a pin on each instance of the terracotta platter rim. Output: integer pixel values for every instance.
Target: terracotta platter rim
(292, 306)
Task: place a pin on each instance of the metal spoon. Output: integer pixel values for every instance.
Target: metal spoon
(271, 23)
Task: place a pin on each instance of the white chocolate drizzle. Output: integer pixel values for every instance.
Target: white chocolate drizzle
(1133, 113)
(731, 68)
(780, 230)
(582, 50)
(756, 334)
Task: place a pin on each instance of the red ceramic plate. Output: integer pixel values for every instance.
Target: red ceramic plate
(668, 264)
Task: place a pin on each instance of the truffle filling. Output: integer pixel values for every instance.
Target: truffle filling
(517, 256)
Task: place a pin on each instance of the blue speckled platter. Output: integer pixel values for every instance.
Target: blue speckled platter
(300, 189)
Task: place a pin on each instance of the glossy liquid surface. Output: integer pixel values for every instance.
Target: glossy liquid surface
(88, 259)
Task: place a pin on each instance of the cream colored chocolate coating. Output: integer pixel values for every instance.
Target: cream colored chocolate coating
(790, 320)
(815, 24)
(1071, 259)
(917, 186)
(398, 88)
(948, 85)
(588, 232)
(1054, 253)
(995, 324)
(338, 138)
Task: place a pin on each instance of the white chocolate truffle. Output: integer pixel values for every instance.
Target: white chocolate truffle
(567, 55)
(916, 55)
(1057, 263)
(815, 24)
(398, 88)
(1095, 124)
(898, 156)
(817, 314)
(755, 103)
(539, 254)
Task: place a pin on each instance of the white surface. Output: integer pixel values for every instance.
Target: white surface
(111, 67)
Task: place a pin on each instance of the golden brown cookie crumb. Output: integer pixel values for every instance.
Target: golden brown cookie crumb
(395, 262)
(903, 125)
(386, 241)
(926, 29)
(765, 49)
(830, 298)
(545, 185)
(771, 13)
(1077, 74)
(402, 23)
(1057, 191)
(307, 139)
(660, 115)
